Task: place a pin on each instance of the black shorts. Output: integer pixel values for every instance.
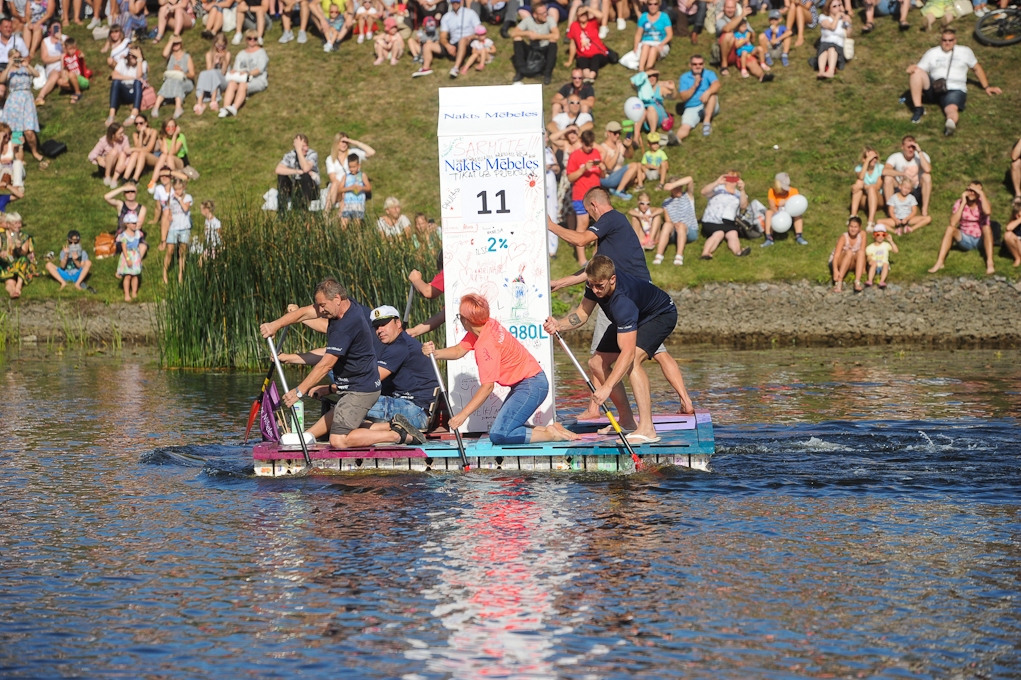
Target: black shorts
(955, 97)
(710, 228)
(592, 63)
(651, 334)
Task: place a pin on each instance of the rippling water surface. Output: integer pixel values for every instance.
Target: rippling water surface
(861, 520)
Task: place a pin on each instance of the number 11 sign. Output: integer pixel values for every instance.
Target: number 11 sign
(493, 199)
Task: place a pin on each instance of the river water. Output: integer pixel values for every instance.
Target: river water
(862, 519)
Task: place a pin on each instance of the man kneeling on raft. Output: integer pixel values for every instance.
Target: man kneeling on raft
(641, 317)
(501, 359)
(352, 356)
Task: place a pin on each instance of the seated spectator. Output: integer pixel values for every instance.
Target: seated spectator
(73, 263)
(248, 76)
(425, 233)
(483, 51)
(179, 79)
(878, 255)
(619, 173)
(835, 27)
(779, 194)
(111, 154)
(680, 225)
(969, 227)
(868, 185)
(12, 169)
(885, 8)
(646, 220)
(941, 77)
(213, 10)
(726, 23)
(698, 91)
(180, 12)
(425, 41)
(337, 25)
(393, 222)
(213, 80)
(40, 34)
(389, 45)
(775, 41)
(902, 208)
(911, 163)
(847, 254)
(173, 151)
(116, 47)
(130, 16)
(542, 34)
(9, 40)
(19, 110)
(127, 84)
(356, 187)
(298, 176)
(655, 164)
(1012, 232)
(457, 29)
(260, 10)
(653, 36)
(937, 10)
(336, 164)
(365, 19)
(1015, 168)
(577, 87)
(17, 255)
(72, 76)
(803, 14)
(142, 152)
(586, 50)
(744, 46)
(572, 116)
(652, 93)
(719, 220)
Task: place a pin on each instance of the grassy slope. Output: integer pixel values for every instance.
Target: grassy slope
(820, 129)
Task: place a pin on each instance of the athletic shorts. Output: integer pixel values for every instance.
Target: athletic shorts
(602, 323)
(579, 207)
(351, 409)
(651, 334)
(69, 275)
(955, 97)
(175, 236)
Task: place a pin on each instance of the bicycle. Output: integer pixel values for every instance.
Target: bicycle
(1000, 27)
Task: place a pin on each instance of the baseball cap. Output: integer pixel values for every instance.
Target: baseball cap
(878, 229)
(429, 22)
(784, 180)
(613, 126)
(480, 30)
(653, 138)
(389, 23)
(384, 313)
(775, 14)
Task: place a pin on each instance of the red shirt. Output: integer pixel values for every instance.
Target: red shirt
(591, 176)
(500, 357)
(71, 64)
(586, 40)
(437, 281)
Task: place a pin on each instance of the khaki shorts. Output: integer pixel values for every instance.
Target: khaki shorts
(351, 409)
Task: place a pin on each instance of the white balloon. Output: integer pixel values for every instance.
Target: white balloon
(781, 222)
(634, 109)
(796, 205)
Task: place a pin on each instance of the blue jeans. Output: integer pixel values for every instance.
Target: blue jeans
(125, 91)
(521, 403)
(386, 408)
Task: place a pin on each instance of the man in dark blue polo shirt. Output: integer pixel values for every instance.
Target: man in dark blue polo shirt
(409, 381)
(616, 238)
(351, 354)
(641, 317)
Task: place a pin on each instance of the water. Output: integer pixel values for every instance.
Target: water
(861, 520)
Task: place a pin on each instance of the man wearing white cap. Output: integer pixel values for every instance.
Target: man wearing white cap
(409, 381)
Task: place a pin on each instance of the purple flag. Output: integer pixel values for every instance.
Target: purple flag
(267, 415)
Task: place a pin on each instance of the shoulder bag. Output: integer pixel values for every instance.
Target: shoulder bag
(939, 86)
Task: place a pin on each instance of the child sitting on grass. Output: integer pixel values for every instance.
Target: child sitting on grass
(681, 225)
(389, 43)
(337, 26)
(655, 165)
(744, 45)
(646, 220)
(74, 263)
(129, 269)
(903, 210)
(482, 50)
(365, 16)
(878, 255)
(73, 76)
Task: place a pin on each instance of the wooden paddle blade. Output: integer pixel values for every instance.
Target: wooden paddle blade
(252, 414)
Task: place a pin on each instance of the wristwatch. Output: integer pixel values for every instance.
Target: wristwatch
(298, 393)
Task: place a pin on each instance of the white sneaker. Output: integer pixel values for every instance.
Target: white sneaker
(260, 41)
(94, 23)
(236, 40)
(223, 113)
(233, 110)
(155, 112)
(328, 47)
(302, 37)
(621, 24)
(454, 72)
(287, 37)
(949, 128)
(361, 38)
(603, 30)
(368, 36)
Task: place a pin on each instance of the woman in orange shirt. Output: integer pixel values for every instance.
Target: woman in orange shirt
(501, 359)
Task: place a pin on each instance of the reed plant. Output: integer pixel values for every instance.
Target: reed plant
(269, 260)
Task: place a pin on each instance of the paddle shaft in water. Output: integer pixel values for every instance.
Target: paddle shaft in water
(609, 415)
(254, 411)
(450, 410)
(407, 307)
(294, 412)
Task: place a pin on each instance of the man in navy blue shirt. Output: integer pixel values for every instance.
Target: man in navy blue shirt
(351, 354)
(641, 317)
(409, 381)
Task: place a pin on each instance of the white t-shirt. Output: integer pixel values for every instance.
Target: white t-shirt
(483, 44)
(563, 120)
(180, 219)
(15, 42)
(722, 205)
(339, 167)
(161, 195)
(836, 35)
(54, 48)
(937, 64)
(902, 205)
(119, 51)
(912, 169)
(125, 70)
(399, 227)
(459, 25)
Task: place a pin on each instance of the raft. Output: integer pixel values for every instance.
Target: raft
(685, 441)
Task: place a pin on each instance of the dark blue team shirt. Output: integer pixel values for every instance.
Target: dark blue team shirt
(411, 372)
(619, 242)
(632, 303)
(351, 340)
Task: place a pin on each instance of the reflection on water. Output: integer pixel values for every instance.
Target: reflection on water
(861, 519)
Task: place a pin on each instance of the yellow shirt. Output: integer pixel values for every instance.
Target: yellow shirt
(342, 4)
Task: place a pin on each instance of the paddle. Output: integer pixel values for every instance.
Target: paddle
(450, 410)
(407, 307)
(254, 411)
(609, 415)
(294, 412)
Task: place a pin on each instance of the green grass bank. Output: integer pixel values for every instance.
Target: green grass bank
(819, 129)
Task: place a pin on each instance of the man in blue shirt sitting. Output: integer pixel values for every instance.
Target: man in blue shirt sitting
(698, 91)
